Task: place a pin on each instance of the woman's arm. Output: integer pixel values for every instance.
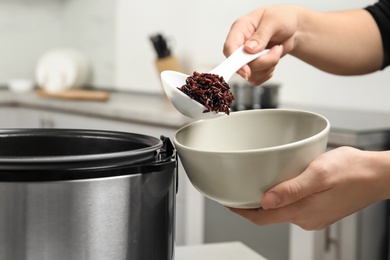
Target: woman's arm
(344, 43)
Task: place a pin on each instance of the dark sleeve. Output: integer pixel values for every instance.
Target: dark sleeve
(381, 13)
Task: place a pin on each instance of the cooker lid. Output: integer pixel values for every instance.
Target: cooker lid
(59, 150)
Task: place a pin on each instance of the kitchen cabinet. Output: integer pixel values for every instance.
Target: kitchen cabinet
(16, 117)
(8, 117)
(221, 225)
(364, 234)
(360, 236)
(189, 220)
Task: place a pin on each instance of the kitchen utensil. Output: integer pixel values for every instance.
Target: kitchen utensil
(165, 59)
(62, 69)
(270, 95)
(235, 159)
(161, 46)
(76, 94)
(247, 96)
(21, 85)
(69, 194)
(191, 108)
(243, 96)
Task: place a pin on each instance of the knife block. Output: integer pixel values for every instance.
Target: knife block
(167, 63)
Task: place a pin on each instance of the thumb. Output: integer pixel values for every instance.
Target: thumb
(259, 40)
(290, 191)
(265, 28)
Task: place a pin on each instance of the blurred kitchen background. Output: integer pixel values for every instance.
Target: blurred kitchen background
(114, 36)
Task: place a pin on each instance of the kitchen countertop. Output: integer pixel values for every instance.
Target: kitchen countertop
(361, 129)
(217, 251)
(352, 127)
(125, 106)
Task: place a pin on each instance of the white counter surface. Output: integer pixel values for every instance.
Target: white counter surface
(217, 251)
(125, 106)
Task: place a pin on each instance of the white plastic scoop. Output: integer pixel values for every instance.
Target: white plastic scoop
(187, 106)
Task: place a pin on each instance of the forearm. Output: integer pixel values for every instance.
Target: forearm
(379, 163)
(345, 43)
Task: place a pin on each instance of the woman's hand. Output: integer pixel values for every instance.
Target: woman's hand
(343, 43)
(272, 27)
(335, 185)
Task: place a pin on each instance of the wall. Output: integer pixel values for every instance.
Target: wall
(198, 30)
(114, 35)
(28, 28)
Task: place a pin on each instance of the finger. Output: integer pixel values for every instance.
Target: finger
(241, 30)
(259, 40)
(305, 213)
(263, 66)
(292, 190)
(237, 36)
(257, 78)
(244, 72)
(261, 69)
(262, 76)
(268, 60)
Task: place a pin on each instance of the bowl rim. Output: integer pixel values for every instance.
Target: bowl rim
(291, 145)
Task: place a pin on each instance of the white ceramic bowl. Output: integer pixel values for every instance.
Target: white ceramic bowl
(235, 159)
(21, 85)
(62, 69)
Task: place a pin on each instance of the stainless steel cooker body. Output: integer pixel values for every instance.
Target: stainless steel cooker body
(129, 214)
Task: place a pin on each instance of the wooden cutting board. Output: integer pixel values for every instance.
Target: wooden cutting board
(76, 94)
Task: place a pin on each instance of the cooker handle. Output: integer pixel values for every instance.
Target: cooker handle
(167, 148)
(170, 154)
(166, 159)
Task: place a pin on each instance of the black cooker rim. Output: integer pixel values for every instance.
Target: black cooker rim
(152, 142)
(19, 168)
